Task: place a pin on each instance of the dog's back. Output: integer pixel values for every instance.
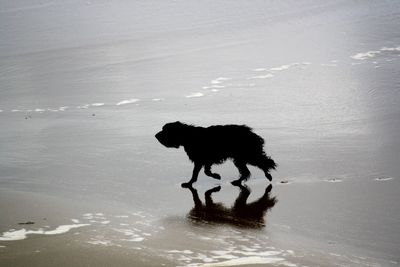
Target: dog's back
(235, 140)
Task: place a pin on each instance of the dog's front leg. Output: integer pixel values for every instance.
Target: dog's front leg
(195, 174)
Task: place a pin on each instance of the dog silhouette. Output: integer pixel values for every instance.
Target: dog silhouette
(214, 145)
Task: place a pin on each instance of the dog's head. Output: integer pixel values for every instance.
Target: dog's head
(172, 134)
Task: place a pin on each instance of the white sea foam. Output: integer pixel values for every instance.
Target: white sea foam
(135, 239)
(75, 220)
(260, 69)
(220, 80)
(383, 179)
(266, 76)
(214, 90)
(127, 101)
(83, 106)
(63, 108)
(157, 99)
(373, 53)
(283, 67)
(391, 49)
(97, 104)
(100, 242)
(40, 110)
(217, 86)
(198, 94)
(16, 110)
(22, 233)
(334, 180)
(121, 216)
(249, 261)
(369, 54)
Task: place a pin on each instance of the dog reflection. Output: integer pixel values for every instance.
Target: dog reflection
(241, 214)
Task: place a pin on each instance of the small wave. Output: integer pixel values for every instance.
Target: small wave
(127, 101)
(369, 54)
(283, 67)
(250, 261)
(266, 76)
(198, 94)
(86, 106)
(157, 99)
(100, 242)
(373, 53)
(334, 180)
(220, 80)
(97, 104)
(383, 179)
(22, 233)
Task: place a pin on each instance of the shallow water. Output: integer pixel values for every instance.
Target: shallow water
(84, 86)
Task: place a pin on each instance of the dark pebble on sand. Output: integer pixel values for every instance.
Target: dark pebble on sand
(28, 222)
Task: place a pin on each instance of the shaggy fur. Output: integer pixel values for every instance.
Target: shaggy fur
(214, 145)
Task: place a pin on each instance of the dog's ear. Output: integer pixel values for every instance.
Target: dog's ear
(179, 123)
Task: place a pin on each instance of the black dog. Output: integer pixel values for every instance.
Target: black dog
(215, 144)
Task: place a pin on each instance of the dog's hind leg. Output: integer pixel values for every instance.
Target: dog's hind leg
(195, 174)
(244, 172)
(207, 171)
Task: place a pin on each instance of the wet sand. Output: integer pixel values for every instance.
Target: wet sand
(308, 225)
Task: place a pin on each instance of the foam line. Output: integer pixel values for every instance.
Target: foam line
(198, 94)
(97, 104)
(22, 233)
(373, 53)
(127, 101)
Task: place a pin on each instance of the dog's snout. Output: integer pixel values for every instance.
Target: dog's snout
(158, 135)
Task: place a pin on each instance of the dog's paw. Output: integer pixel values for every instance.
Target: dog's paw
(268, 189)
(216, 189)
(236, 183)
(216, 176)
(269, 177)
(186, 185)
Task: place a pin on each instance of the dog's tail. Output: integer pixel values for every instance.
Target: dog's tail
(263, 162)
(269, 163)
